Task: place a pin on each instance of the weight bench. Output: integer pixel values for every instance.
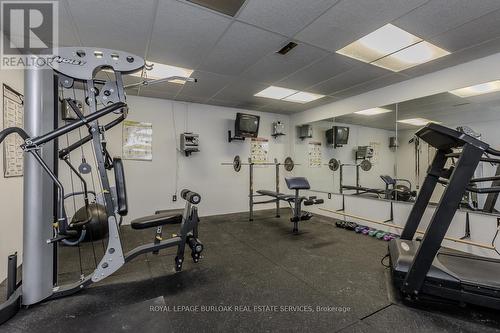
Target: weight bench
(295, 201)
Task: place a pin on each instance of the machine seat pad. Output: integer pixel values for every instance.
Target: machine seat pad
(156, 220)
(297, 183)
(270, 193)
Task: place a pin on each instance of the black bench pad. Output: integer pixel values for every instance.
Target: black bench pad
(280, 196)
(156, 220)
(270, 193)
(170, 211)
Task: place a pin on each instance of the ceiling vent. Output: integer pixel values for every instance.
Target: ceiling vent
(287, 48)
(227, 7)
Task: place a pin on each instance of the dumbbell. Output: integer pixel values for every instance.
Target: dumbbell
(388, 237)
(360, 228)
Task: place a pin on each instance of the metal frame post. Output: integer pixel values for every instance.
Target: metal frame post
(38, 189)
(424, 195)
(277, 166)
(250, 195)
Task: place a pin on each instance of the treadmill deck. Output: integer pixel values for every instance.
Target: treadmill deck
(469, 278)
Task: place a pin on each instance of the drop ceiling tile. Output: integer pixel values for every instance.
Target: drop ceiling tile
(350, 78)
(289, 107)
(319, 71)
(219, 102)
(242, 91)
(161, 90)
(240, 47)
(286, 17)
(482, 50)
(438, 16)
(190, 99)
(252, 105)
(156, 94)
(208, 85)
(469, 34)
(386, 121)
(427, 101)
(67, 33)
(113, 24)
(371, 85)
(183, 34)
(130, 79)
(350, 20)
(274, 66)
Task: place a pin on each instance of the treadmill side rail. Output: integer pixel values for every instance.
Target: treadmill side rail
(441, 220)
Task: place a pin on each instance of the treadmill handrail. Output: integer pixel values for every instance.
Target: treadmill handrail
(493, 151)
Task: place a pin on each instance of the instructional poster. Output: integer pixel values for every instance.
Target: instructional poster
(13, 116)
(259, 150)
(314, 154)
(137, 140)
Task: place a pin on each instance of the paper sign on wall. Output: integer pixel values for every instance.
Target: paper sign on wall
(314, 154)
(13, 116)
(137, 140)
(259, 150)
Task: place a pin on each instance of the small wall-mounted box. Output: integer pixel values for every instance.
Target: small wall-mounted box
(364, 152)
(305, 131)
(190, 143)
(278, 129)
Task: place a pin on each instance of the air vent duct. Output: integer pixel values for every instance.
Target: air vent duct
(287, 48)
(228, 7)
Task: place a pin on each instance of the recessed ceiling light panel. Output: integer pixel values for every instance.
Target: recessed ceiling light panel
(275, 92)
(289, 95)
(417, 121)
(303, 97)
(392, 48)
(411, 56)
(373, 111)
(379, 43)
(478, 89)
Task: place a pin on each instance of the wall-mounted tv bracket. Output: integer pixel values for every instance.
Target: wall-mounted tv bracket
(231, 138)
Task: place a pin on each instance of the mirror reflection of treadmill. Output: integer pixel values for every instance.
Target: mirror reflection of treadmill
(422, 269)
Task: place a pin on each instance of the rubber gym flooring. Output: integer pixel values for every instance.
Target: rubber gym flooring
(257, 276)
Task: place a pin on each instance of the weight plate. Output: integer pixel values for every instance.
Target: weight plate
(289, 164)
(333, 164)
(237, 163)
(84, 168)
(366, 165)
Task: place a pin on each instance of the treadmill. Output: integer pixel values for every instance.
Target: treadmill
(421, 270)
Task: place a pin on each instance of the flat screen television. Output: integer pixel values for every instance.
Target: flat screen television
(337, 136)
(246, 125)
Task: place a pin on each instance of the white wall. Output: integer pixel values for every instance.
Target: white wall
(11, 193)
(324, 179)
(151, 184)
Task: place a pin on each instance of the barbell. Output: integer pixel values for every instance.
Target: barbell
(334, 164)
(288, 164)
